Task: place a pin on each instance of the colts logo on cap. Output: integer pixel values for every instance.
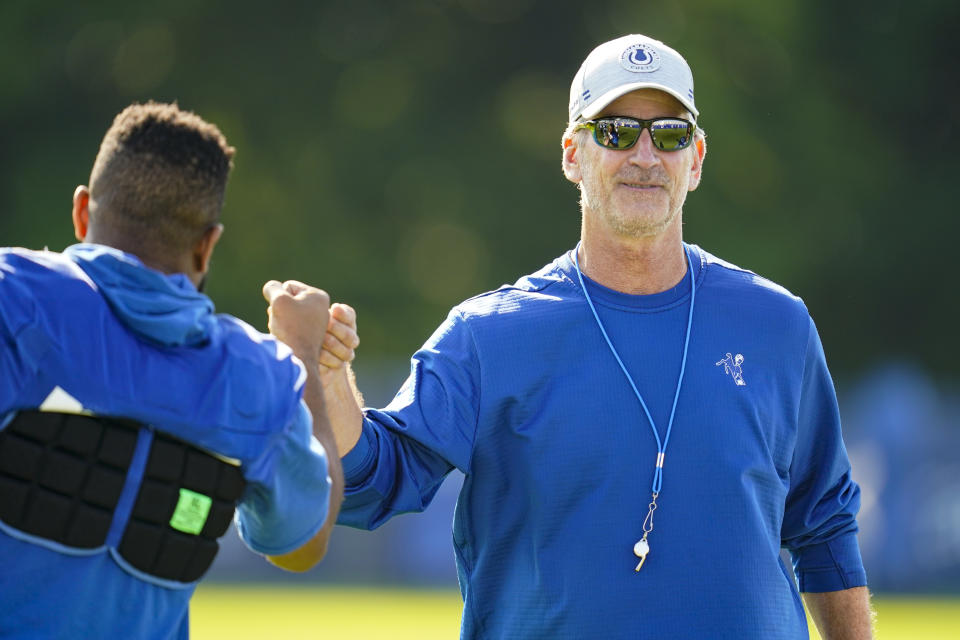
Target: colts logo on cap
(640, 58)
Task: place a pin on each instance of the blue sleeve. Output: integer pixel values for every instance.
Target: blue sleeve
(288, 491)
(22, 343)
(407, 449)
(819, 525)
(8, 374)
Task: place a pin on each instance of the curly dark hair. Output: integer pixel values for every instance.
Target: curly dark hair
(159, 178)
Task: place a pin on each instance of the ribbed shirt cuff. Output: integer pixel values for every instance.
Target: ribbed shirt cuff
(830, 566)
(359, 460)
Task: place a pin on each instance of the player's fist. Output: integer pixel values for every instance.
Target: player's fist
(342, 339)
(298, 315)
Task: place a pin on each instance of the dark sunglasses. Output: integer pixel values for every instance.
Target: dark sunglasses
(621, 132)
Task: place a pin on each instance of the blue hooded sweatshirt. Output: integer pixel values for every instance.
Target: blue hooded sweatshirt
(94, 330)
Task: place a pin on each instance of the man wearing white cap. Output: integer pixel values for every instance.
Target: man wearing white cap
(642, 426)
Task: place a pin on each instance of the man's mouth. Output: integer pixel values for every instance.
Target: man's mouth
(642, 185)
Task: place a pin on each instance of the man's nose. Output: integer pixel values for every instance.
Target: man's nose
(644, 153)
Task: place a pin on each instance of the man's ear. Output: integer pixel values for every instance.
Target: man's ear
(571, 160)
(699, 153)
(203, 250)
(81, 212)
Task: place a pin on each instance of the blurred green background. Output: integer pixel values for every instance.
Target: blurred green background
(406, 155)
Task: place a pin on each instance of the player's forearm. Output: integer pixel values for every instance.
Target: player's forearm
(315, 549)
(842, 615)
(344, 406)
(314, 396)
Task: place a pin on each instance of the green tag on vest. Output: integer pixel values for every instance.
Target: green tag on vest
(191, 512)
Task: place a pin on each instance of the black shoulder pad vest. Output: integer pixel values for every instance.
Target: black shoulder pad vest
(62, 477)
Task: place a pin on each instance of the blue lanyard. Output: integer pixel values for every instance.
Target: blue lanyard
(661, 448)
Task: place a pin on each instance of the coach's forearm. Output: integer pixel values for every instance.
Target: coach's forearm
(842, 615)
(344, 406)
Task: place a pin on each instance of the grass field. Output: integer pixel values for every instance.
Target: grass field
(292, 613)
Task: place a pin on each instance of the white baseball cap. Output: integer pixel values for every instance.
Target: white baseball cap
(626, 64)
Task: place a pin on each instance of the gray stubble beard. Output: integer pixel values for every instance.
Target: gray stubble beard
(630, 229)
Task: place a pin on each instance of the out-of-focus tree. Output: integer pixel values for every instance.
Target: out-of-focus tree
(406, 155)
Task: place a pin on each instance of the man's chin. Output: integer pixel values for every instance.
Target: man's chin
(652, 205)
(642, 225)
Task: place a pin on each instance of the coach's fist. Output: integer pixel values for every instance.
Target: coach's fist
(342, 339)
(298, 315)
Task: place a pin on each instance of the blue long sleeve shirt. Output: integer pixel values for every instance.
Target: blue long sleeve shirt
(519, 391)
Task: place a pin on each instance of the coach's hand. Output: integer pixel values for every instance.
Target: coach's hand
(298, 315)
(342, 339)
